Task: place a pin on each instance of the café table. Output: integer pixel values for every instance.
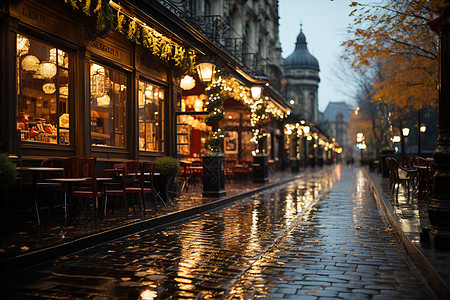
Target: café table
(69, 182)
(424, 178)
(35, 174)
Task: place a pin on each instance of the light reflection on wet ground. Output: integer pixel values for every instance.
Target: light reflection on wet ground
(341, 250)
(200, 258)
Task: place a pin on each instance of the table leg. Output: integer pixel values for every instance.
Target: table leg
(36, 195)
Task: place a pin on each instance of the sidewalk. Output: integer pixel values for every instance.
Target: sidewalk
(406, 218)
(32, 244)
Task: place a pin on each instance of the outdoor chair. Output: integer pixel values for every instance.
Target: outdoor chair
(425, 178)
(145, 186)
(399, 175)
(184, 176)
(88, 189)
(229, 170)
(43, 185)
(128, 177)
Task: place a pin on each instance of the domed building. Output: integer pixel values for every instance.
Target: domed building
(301, 71)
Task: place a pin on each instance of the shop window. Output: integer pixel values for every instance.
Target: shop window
(43, 92)
(108, 96)
(151, 117)
(192, 131)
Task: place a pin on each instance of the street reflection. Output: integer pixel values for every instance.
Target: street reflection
(201, 258)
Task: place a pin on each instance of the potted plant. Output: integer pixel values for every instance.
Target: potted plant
(168, 167)
(8, 172)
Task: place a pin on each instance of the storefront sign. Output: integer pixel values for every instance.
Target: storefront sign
(107, 49)
(31, 14)
(47, 21)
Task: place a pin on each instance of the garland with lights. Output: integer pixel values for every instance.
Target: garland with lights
(137, 31)
(259, 118)
(215, 95)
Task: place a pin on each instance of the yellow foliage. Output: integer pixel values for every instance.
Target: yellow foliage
(394, 35)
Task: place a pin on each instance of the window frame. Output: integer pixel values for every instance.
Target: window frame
(56, 79)
(162, 112)
(127, 130)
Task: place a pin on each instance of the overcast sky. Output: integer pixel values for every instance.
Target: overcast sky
(324, 25)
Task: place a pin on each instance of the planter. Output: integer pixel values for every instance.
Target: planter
(213, 175)
(260, 172)
(163, 184)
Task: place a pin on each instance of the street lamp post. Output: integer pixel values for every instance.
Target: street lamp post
(439, 205)
(405, 133)
(360, 143)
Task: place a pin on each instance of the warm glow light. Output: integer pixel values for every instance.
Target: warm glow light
(30, 63)
(256, 92)
(49, 88)
(23, 45)
(405, 131)
(198, 104)
(205, 71)
(423, 128)
(149, 92)
(187, 83)
(396, 139)
(103, 101)
(47, 69)
(61, 55)
(306, 129)
(292, 102)
(148, 295)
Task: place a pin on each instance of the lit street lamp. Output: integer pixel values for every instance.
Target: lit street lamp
(405, 133)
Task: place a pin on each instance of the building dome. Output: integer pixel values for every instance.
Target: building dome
(301, 58)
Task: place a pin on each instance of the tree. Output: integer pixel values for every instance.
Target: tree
(393, 36)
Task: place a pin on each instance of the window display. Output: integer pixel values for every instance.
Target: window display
(151, 117)
(43, 92)
(108, 93)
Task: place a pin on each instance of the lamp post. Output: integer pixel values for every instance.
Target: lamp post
(439, 205)
(213, 163)
(405, 133)
(361, 144)
(362, 147)
(306, 136)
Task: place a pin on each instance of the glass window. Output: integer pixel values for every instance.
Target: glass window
(151, 117)
(108, 107)
(43, 92)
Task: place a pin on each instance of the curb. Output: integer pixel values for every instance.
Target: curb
(434, 280)
(44, 255)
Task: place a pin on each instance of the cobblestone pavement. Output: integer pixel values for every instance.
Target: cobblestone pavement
(320, 237)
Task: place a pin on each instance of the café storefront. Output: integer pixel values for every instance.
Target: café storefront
(68, 93)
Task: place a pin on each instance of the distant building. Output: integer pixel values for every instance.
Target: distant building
(337, 115)
(301, 71)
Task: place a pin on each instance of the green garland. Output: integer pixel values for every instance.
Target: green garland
(140, 33)
(215, 142)
(215, 94)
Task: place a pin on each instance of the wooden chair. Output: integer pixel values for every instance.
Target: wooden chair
(425, 178)
(145, 180)
(184, 176)
(245, 171)
(399, 175)
(117, 188)
(87, 169)
(229, 170)
(197, 172)
(48, 186)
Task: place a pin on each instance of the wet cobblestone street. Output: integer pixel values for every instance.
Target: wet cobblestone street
(318, 237)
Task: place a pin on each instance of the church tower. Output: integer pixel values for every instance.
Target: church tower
(301, 71)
